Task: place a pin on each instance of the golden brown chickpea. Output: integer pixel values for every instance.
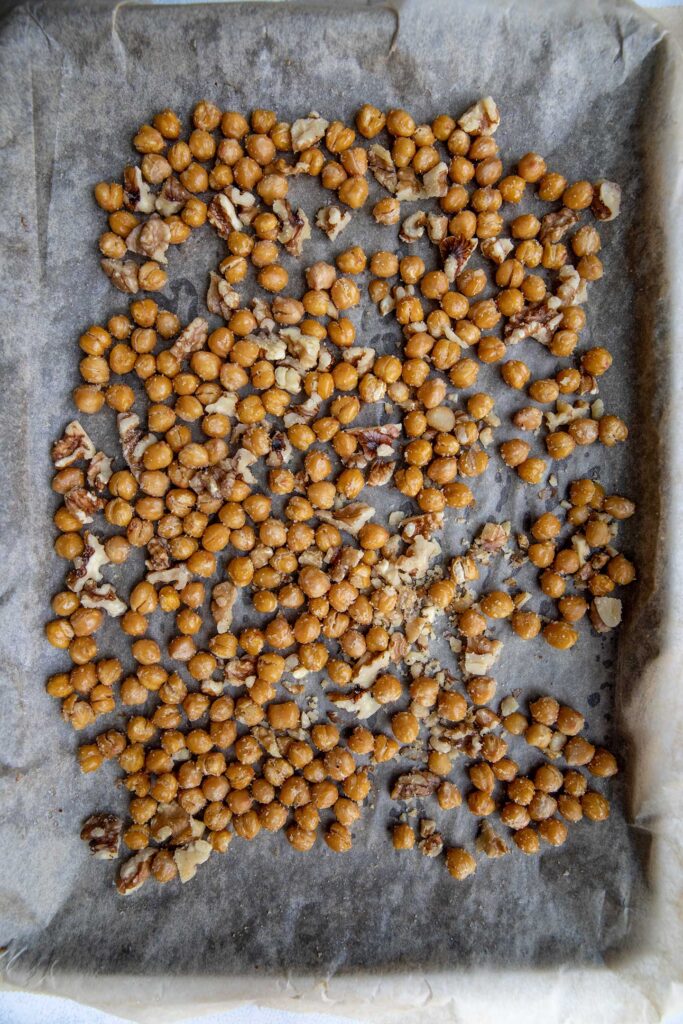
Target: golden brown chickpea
(531, 167)
(403, 837)
(460, 863)
(560, 635)
(370, 121)
(399, 123)
(551, 186)
(480, 804)
(497, 604)
(578, 196)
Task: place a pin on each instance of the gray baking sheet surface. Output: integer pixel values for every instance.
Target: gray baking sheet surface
(587, 85)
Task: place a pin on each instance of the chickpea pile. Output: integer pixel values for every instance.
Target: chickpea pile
(255, 466)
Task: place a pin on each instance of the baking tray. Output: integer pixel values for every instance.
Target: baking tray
(593, 87)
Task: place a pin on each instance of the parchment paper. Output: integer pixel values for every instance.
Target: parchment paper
(590, 931)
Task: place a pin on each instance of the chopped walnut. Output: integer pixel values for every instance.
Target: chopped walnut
(99, 471)
(482, 118)
(431, 841)
(102, 833)
(481, 655)
(134, 872)
(380, 473)
(83, 504)
(191, 338)
(280, 450)
(104, 596)
(123, 274)
(409, 189)
(74, 444)
(456, 252)
(417, 559)
(605, 613)
(434, 182)
(489, 843)
(307, 131)
(177, 576)
(413, 227)
(171, 824)
(349, 518)
(606, 203)
(539, 321)
(239, 671)
(358, 702)
(133, 442)
(554, 225)
(572, 290)
(222, 215)
(497, 249)
(221, 297)
(296, 228)
(382, 166)
(376, 441)
(172, 197)
(223, 597)
(225, 405)
(137, 195)
(437, 227)
(415, 785)
(188, 858)
(88, 564)
(151, 238)
(305, 348)
(304, 412)
(332, 220)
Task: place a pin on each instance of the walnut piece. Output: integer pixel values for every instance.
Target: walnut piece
(222, 215)
(332, 220)
(296, 228)
(104, 596)
(482, 118)
(151, 238)
(497, 249)
(83, 504)
(190, 339)
(137, 195)
(188, 858)
(306, 131)
(221, 297)
(434, 182)
(489, 843)
(349, 518)
(382, 166)
(223, 597)
(555, 225)
(102, 833)
(88, 564)
(456, 251)
(99, 471)
(380, 473)
(172, 197)
(135, 872)
(437, 227)
(74, 444)
(171, 823)
(177, 576)
(413, 227)
(606, 203)
(123, 274)
(538, 321)
(415, 785)
(133, 442)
